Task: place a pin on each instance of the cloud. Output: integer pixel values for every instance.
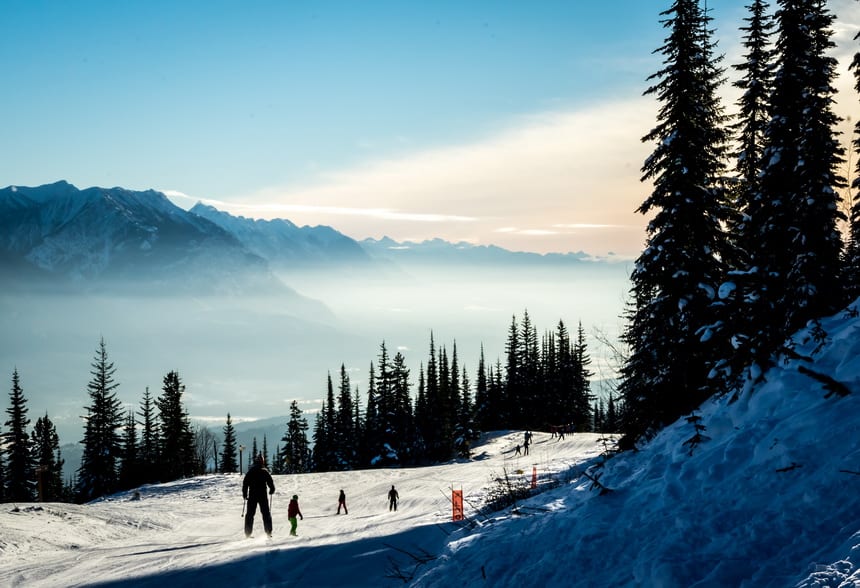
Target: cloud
(561, 180)
(545, 172)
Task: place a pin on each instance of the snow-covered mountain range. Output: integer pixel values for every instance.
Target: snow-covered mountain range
(113, 236)
(57, 232)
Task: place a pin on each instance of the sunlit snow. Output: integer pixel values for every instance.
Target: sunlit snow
(767, 494)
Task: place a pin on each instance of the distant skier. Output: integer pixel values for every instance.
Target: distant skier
(254, 491)
(293, 511)
(517, 450)
(393, 497)
(341, 502)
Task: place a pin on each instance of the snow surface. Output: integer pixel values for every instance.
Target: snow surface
(770, 496)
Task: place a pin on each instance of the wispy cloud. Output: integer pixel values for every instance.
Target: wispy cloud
(549, 173)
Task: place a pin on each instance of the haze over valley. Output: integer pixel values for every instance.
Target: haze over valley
(254, 314)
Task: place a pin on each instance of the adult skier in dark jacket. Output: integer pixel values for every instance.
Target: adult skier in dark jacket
(254, 491)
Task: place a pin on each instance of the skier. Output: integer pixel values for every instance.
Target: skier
(292, 512)
(341, 501)
(254, 491)
(393, 496)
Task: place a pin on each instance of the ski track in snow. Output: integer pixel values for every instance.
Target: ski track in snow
(190, 531)
(769, 499)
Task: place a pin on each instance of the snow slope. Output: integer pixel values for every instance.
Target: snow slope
(190, 531)
(769, 498)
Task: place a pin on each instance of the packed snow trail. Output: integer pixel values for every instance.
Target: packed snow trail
(189, 532)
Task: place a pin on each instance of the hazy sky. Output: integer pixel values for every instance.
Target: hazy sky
(514, 123)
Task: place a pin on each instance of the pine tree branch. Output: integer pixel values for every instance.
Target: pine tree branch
(831, 385)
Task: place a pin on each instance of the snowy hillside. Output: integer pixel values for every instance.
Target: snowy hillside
(190, 532)
(768, 498)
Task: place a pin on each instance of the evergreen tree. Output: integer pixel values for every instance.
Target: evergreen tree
(324, 458)
(795, 269)
(447, 407)
(2, 474)
(177, 438)
(150, 441)
(482, 400)
(97, 474)
(276, 466)
(852, 248)
(229, 465)
(466, 430)
(372, 422)
(49, 464)
(430, 417)
(756, 83)
(345, 435)
(421, 422)
(675, 278)
(296, 452)
(611, 424)
(401, 425)
(510, 411)
(582, 396)
(264, 450)
(358, 429)
(393, 411)
(564, 405)
(529, 377)
(20, 472)
(129, 469)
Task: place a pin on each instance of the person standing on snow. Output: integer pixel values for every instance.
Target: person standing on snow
(293, 511)
(393, 497)
(341, 501)
(254, 491)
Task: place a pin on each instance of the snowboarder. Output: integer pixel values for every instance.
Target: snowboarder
(254, 491)
(293, 511)
(341, 501)
(393, 497)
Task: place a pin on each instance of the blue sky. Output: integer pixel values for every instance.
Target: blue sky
(515, 123)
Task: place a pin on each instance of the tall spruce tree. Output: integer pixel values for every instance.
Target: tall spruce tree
(795, 269)
(150, 441)
(20, 472)
(675, 278)
(296, 454)
(756, 84)
(581, 393)
(325, 459)
(731, 329)
(49, 463)
(2, 474)
(345, 436)
(129, 469)
(229, 465)
(372, 423)
(509, 415)
(102, 442)
(177, 438)
(852, 248)
(401, 409)
(482, 400)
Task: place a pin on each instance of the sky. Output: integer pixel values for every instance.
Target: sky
(767, 498)
(511, 123)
